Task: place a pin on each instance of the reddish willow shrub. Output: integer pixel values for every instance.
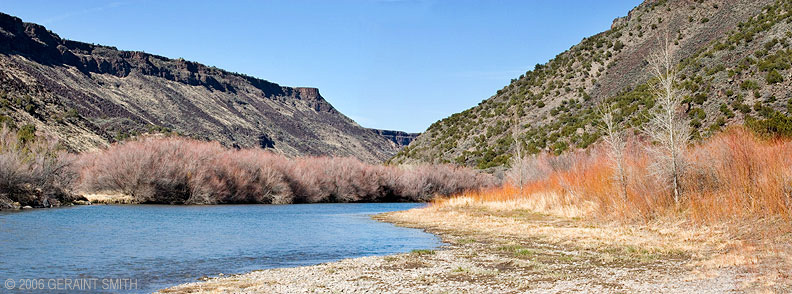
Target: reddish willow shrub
(179, 170)
(35, 173)
(732, 175)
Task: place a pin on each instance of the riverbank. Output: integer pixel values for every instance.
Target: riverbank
(495, 250)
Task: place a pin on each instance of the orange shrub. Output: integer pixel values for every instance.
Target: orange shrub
(731, 175)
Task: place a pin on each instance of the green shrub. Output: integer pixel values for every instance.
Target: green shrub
(26, 103)
(618, 46)
(717, 125)
(776, 125)
(72, 113)
(26, 134)
(695, 123)
(749, 85)
(700, 98)
(7, 121)
(744, 108)
(726, 111)
(774, 77)
(762, 110)
(422, 252)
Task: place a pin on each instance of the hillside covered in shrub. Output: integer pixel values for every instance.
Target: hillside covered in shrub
(733, 58)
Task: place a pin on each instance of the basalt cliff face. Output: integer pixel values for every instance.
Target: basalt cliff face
(90, 95)
(399, 138)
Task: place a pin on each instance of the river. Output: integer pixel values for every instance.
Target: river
(143, 248)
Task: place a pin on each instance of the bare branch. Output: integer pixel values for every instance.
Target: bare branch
(616, 142)
(668, 127)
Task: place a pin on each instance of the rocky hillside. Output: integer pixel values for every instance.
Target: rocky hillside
(90, 95)
(400, 138)
(734, 60)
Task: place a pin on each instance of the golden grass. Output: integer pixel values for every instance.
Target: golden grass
(493, 220)
(730, 177)
(706, 248)
(736, 207)
(109, 198)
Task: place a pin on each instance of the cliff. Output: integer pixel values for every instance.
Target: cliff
(399, 138)
(91, 95)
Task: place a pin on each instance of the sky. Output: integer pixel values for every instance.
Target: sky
(387, 64)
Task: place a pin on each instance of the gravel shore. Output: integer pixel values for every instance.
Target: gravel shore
(494, 261)
(471, 269)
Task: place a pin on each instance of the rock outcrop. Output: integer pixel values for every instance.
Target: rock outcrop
(399, 138)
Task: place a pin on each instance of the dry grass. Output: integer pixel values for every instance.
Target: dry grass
(483, 222)
(109, 198)
(731, 177)
(735, 207)
(703, 251)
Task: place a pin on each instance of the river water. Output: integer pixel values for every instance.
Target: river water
(143, 248)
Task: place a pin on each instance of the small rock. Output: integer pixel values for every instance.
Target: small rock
(81, 202)
(27, 207)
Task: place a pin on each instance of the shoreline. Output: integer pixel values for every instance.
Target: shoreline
(508, 252)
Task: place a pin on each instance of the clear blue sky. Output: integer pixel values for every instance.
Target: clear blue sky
(391, 64)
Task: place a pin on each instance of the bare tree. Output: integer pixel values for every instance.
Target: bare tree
(616, 142)
(519, 162)
(518, 173)
(668, 127)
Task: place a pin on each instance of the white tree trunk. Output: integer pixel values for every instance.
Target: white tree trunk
(669, 127)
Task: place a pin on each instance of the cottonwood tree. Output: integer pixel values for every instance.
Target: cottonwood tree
(518, 173)
(668, 127)
(520, 166)
(616, 143)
